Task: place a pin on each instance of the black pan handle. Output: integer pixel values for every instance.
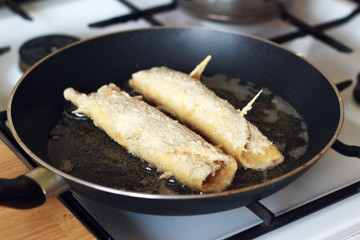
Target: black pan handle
(31, 189)
(347, 150)
(21, 192)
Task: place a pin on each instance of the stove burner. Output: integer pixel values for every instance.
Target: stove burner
(37, 48)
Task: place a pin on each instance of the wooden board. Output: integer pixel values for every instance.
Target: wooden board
(50, 221)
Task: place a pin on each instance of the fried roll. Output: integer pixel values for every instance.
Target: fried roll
(163, 142)
(185, 97)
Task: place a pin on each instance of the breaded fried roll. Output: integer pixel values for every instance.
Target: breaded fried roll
(185, 97)
(163, 142)
(193, 103)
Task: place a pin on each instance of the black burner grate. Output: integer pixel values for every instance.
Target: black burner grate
(136, 14)
(315, 31)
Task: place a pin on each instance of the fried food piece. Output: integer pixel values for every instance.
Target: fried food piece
(156, 138)
(194, 104)
(216, 119)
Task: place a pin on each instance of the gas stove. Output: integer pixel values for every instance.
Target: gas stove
(321, 204)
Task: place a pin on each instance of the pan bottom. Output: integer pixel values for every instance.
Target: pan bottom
(77, 147)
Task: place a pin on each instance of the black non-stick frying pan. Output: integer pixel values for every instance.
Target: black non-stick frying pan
(37, 102)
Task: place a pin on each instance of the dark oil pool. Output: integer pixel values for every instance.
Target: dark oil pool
(77, 147)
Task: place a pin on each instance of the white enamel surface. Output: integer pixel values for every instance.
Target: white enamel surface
(333, 171)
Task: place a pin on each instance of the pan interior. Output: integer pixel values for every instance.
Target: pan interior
(37, 102)
(80, 149)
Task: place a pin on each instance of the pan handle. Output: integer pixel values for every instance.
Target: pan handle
(31, 189)
(347, 150)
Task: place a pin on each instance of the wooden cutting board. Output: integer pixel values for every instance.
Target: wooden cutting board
(50, 221)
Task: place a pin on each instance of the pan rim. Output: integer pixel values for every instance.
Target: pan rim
(68, 177)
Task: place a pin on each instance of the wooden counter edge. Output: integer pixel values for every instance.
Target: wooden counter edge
(50, 221)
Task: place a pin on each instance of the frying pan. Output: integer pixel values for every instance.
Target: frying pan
(37, 102)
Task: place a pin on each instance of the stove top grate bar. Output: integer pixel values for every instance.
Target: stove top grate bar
(4, 50)
(315, 31)
(136, 14)
(293, 215)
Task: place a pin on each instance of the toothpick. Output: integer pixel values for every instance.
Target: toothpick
(196, 73)
(247, 108)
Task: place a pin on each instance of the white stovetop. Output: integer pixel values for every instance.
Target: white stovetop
(333, 171)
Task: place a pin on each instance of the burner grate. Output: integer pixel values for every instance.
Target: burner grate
(316, 31)
(319, 28)
(16, 8)
(136, 14)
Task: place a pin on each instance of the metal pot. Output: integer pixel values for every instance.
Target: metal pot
(239, 11)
